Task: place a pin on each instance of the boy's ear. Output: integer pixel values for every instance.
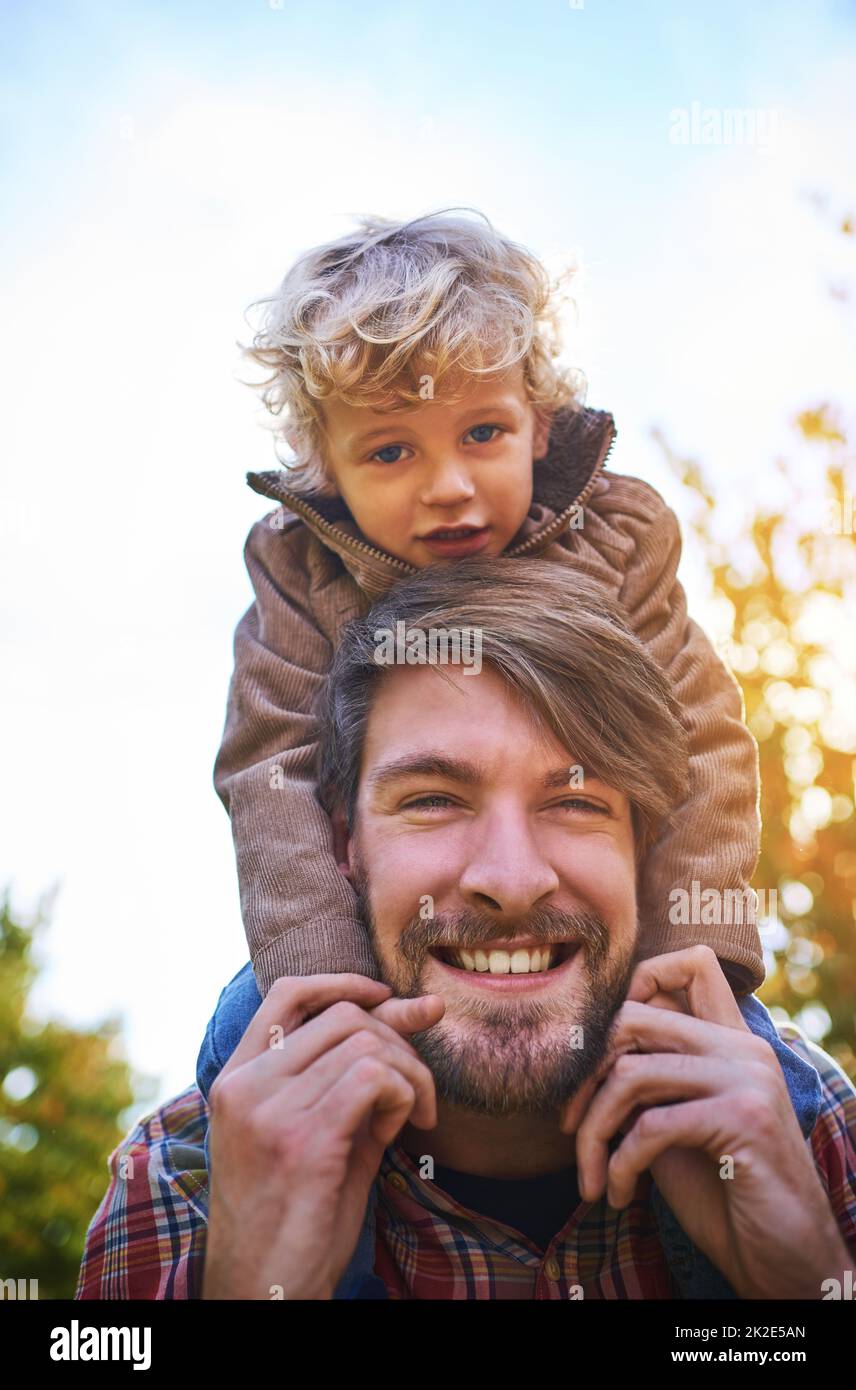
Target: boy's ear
(341, 840)
(541, 434)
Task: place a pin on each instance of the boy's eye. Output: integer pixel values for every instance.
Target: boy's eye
(483, 427)
(396, 448)
(387, 449)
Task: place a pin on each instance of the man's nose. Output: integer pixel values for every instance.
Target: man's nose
(447, 484)
(506, 871)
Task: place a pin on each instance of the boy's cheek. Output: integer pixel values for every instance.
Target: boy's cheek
(382, 527)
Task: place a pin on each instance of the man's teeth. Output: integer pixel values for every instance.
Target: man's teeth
(519, 962)
(452, 535)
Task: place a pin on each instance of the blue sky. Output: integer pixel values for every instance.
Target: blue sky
(162, 165)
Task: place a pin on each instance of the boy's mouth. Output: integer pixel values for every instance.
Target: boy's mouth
(451, 541)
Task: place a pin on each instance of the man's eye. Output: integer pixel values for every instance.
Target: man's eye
(429, 802)
(579, 803)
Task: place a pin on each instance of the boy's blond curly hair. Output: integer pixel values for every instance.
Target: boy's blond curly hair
(369, 316)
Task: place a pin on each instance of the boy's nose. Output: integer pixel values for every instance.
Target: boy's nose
(446, 485)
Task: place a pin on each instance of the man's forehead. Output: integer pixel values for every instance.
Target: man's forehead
(440, 700)
(426, 721)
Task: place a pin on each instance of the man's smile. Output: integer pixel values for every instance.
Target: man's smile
(510, 966)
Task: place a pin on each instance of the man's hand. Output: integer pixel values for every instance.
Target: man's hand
(690, 1086)
(322, 1080)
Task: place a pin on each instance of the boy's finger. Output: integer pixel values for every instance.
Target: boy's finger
(689, 982)
(334, 1025)
(314, 1075)
(571, 1115)
(696, 971)
(294, 999)
(410, 1015)
(677, 1001)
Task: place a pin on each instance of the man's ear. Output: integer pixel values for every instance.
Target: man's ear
(341, 840)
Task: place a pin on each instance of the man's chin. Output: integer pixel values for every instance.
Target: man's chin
(503, 1047)
(502, 1052)
(498, 1068)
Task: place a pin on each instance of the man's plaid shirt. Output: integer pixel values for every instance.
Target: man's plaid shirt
(147, 1238)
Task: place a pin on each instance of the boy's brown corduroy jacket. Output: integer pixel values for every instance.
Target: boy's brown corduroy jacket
(312, 571)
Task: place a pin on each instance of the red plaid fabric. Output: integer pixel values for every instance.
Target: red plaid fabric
(147, 1238)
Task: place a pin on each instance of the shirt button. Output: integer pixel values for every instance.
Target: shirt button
(551, 1268)
(397, 1181)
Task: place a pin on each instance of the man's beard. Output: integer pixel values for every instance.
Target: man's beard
(508, 1056)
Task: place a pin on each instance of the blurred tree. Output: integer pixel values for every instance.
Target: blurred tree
(63, 1094)
(786, 579)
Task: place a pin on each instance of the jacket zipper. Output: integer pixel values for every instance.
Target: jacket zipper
(561, 521)
(271, 488)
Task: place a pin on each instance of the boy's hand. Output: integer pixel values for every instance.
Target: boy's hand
(322, 1080)
(702, 1103)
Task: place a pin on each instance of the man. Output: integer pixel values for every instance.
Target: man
(526, 1103)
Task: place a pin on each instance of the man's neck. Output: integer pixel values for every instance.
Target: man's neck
(516, 1146)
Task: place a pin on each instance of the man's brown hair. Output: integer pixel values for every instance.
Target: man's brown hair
(564, 648)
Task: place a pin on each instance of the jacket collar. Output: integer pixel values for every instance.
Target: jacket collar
(579, 444)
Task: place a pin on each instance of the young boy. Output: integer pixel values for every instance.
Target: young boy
(415, 366)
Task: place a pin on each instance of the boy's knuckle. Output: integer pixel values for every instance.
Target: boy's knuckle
(282, 991)
(760, 1050)
(223, 1095)
(627, 1065)
(368, 1071)
(364, 1043)
(347, 1012)
(288, 1143)
(650, 1123)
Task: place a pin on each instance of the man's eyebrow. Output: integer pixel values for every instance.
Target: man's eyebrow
(356, 441)
(459, 770)
(573, 775)
(426, 765)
